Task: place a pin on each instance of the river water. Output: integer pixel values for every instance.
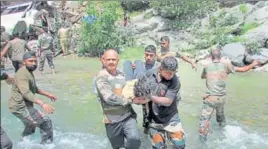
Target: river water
(77, 120)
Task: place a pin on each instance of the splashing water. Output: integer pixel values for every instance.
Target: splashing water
(66, 140)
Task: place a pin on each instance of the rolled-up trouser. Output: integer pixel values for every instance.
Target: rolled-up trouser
(211, 105)
(5, 141)
(133, 73)
(17, 65)
(37, 119)
(43, 57)
(126, 129)
(177, 137)
(64, 45)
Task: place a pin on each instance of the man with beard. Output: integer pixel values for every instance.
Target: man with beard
(119, 116)
(165, 51)
(22, 100)
(6, 143)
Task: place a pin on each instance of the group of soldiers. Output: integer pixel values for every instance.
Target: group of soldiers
(153, 84)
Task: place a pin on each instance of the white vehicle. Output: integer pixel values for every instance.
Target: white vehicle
(10, 15)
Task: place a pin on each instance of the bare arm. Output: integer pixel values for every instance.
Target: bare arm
(246, 68)
(162, 100)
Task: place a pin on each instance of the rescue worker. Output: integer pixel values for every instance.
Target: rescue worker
(15, 48)
(63, 35)
(163, 111)
(119, 116)
(22, 100)
(165, 51)
(46, 50)
(138, 68)
(216, 72)
(6, 143)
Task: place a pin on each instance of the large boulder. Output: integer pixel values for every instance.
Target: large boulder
(258, 16)
(260, 34)
(135, 5)
(236, 52)
(261, 57)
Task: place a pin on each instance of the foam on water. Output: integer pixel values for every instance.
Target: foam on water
(235, 137)
(66, 140)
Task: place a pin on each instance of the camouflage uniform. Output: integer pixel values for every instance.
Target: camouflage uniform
(16, 51)
(5, 37)
(165, 121)
(216, 73)
(46, 50)
(38, 21)
(21, 105)
(119, 116)
(5, 140)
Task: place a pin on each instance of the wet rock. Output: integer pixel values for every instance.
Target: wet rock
(236, 52)
(262, 69)
(259, 34)
(261, 57)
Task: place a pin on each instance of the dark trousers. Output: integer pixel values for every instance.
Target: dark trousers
(133, 73)
(43, 58)
(5, 141)
(126, 129)
(17, 65)
(36, 119)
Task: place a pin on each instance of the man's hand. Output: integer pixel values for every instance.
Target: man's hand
(194, 66)
(48, 109)
(140, 100)
(52, 97)
(10, 80)
(133, 66)
(255, 63)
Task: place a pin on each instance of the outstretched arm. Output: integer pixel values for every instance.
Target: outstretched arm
(4, 51)
(187, 59)
(246, 68)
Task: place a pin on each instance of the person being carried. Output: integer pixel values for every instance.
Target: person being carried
(46, 50)
(215, 72)
(22, 100)
(165, 52)
(119, 116)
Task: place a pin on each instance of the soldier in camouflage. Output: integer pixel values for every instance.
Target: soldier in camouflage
(165, 52)
(119, 116)
(5, 37)
(46, 50)
(216, 72)
(23, 98)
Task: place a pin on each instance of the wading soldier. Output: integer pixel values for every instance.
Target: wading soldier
(163, 112)
(120, 118)
(21, 103)
(6, 143)
(46, 50)
(216, 72)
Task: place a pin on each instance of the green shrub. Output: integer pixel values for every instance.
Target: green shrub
(243, 8)
(249, 26)
(103, 33)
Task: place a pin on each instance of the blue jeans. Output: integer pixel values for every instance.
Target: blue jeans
(131, 73)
